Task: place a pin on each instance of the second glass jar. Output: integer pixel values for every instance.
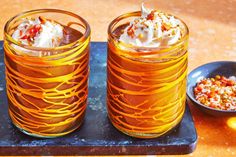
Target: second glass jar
(146, 86)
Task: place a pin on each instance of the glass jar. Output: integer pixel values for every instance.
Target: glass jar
(146, 86)
(47, 88)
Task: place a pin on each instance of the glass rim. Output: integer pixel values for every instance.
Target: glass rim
(138, 13)
(85, 35)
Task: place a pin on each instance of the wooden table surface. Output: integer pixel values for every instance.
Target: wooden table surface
(212, 25)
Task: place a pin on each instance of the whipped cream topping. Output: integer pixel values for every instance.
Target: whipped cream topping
(152, 29)
(39, 32)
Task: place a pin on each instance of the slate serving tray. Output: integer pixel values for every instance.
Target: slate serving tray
(96, 136)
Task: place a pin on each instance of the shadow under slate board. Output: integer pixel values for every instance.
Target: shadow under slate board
(96, 136)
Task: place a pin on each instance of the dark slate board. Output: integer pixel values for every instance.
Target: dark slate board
(96, 136)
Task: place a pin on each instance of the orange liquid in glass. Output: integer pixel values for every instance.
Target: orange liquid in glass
(47, 95)
(145, 97)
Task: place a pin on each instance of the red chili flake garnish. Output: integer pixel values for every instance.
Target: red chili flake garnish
(230, 83)
(151, 15)
(165, 27)
(211, 95)
(204, 81)
(24, 37)
(199, 88)
(21, 32)
(130, 27)
(130, 31)
(218, 92)
(42, 19)
(32, 32)
(65, 32)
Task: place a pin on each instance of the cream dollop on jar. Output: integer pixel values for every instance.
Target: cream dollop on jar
(39, 32)
(152, 29)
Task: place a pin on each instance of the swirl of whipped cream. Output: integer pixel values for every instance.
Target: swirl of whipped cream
(152, 29)
(39, 32)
